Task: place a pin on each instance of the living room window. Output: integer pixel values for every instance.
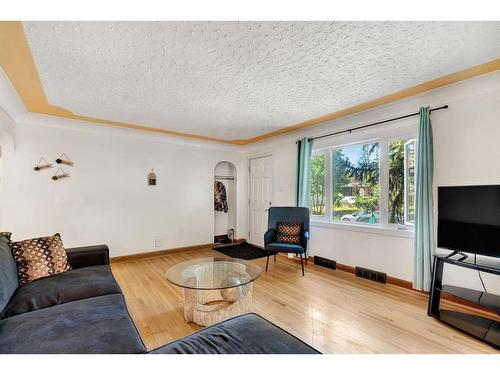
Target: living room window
(356, 187)
(370, 183)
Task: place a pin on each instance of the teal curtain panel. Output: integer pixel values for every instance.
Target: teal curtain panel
(424, 228)
(303, 183)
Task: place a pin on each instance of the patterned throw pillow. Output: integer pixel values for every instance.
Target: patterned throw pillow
(40, 257)
(289, 232)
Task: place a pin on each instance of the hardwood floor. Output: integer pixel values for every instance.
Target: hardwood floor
(331, 310)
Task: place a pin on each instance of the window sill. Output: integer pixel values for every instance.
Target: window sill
(388, 231)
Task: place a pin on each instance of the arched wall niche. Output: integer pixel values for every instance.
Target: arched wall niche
(225, 222)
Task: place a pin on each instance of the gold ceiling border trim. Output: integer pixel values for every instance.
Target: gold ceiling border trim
(17, 62)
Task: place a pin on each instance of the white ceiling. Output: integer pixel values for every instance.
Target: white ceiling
(236, 80)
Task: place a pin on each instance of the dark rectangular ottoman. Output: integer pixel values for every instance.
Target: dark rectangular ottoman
(246, 334)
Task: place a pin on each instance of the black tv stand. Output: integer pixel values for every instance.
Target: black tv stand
(455, 252)
(484, 329)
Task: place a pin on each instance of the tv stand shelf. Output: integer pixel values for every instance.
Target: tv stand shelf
(488, 300)
(466, 263)
(484, 329)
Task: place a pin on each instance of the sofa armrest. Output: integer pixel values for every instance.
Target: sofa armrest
(87, 256)
(270, 236)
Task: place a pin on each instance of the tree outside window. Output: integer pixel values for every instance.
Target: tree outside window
(356, 183)
(318, 195)
(402, 181)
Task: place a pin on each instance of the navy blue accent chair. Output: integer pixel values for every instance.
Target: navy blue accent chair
(287, 215)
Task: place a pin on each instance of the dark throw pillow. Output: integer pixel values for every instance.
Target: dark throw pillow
(289, 232)
(40, 257)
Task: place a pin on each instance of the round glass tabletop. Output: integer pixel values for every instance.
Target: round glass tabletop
(213, 273)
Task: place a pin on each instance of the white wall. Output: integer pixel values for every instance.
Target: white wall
(107, 199)
(466, 151)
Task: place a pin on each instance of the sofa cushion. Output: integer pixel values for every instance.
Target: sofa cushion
(284, 247)
(246, 334)
(62, 288)
(40, 257)
(92, 325)
(8, 273)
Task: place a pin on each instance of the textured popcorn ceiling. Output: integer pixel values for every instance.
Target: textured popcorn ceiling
(236, 80)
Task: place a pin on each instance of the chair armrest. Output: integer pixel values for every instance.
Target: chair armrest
(270, 236)
(305, 238)
(306, 234)
(87, 256)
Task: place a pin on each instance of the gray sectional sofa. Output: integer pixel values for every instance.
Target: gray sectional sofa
(84, 311)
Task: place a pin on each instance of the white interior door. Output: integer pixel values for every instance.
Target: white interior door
(261, 190)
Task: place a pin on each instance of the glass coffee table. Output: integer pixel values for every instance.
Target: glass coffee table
(215, 289)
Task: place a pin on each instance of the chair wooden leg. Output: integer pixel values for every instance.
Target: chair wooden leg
(302, 264)
(267, 262)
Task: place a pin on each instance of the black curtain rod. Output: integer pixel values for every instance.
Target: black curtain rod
(376, 123)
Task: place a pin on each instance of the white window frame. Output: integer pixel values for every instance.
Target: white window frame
(403, 230)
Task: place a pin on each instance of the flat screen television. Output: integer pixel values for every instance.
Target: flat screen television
(469, 219)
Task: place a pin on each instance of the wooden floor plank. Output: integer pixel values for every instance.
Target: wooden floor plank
(333, 311)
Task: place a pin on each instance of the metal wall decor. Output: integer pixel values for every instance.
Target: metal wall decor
(152, 178)
(60, 174)
(42, 164)
(64, 159)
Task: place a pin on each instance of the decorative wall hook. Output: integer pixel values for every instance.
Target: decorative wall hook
(64, 159)
(152, 178)
(42, 164)
(60, 174)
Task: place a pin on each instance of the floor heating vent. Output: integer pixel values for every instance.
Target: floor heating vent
(371, 275)
(324, 262)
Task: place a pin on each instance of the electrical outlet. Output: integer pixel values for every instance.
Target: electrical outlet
(158, 243)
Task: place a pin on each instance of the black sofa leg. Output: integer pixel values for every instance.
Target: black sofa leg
(302, 264)
(267, 262)
(274, 258)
